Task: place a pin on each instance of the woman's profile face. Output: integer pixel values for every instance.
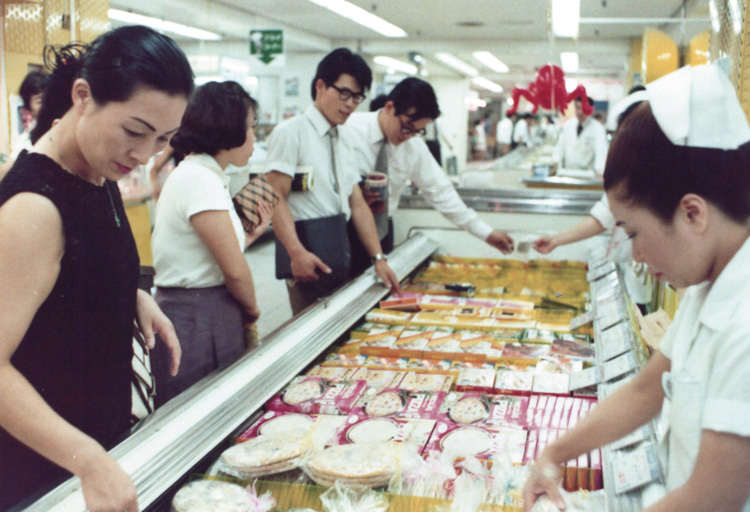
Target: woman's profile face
(241, 154)
(116, 137)
(35, 104)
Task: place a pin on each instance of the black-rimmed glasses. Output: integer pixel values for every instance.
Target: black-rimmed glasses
(407, 130)
(345, 94)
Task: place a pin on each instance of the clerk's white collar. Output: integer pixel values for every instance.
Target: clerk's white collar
(730, 288)
(209, 162)
(318, 120)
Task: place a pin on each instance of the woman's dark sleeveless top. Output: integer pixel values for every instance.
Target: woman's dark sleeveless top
(77, 351)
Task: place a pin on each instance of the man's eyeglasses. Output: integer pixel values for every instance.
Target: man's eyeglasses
(345, 94)
(407, 130)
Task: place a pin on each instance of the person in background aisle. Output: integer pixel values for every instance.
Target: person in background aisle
(31, 91)
(479, 136)
(410, 107)
(490, 136)
(69, 267)
(313, 138)
(203, 281)
(521, 131)
(504, 134)
(600, 218)
(678, 185)
(582, 144)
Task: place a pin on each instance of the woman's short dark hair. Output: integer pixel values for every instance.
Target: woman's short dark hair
(34, 83)
(338, 62)
(416, 93)
(115, 64)
(647, 169)
(215, 119)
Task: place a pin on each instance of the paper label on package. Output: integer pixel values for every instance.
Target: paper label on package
(613, 342)
(600, 271)
(618, 366)
(581, 320)
(636, 469)
(584, 378)
(634, 437)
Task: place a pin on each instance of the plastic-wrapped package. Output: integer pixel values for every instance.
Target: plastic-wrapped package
(266, 454)
(360, 466)
(469, 492)
(506, 482)
(578, 501)
(429, 477)
(213, 496)
(340, 498)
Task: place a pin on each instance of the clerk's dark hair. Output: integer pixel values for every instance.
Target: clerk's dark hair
(415, 92)
(34, 83)
(115, 65)
(215, 119)
(339, 62)
(646, 169)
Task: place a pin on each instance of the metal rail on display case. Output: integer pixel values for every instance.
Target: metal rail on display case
(176, 438)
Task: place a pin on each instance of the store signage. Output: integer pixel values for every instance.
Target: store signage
(266, 45)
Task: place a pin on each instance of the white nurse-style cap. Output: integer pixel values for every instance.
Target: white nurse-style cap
(616, 110)
(698, 107)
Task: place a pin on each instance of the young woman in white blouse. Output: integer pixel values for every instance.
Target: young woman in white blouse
(678, 183)
(203, 280)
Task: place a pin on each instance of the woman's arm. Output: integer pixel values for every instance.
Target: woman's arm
(630, 407)
(31, 247)
(215, 228)
(152, 320)
(587, 228)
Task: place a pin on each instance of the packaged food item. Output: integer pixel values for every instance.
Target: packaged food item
(379, 342)
(516, 351)
(276, 422)
(359, 465)
(418, 381)
(480, 441)
(332, 373)
(400, 403)
(360, 428)
(411, 342)
(212, 496)
(443, 344)
(313, 395)
(513, 382)
(551, 383)
(377, 378)
(266, 454)
(476, 379)
(480, 408)
(401, 304)
(390, 317)
(573, 350)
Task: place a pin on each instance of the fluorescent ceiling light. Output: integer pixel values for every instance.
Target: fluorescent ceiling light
(457, 64)
(571, 84)
(361, 16)
(491, 61)
(200, 80)
(395, 64)
(487, 84)
(565, 17)
(736, 15)
(569, 61)
(162, 25)
(715, 23)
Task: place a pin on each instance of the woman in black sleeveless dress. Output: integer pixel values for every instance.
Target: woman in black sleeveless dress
(69, 266)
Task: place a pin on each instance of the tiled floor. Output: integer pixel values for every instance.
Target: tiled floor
(270, 292)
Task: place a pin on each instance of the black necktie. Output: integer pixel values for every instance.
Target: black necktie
(579, 129)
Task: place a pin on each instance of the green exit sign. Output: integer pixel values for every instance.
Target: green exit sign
(266, 44)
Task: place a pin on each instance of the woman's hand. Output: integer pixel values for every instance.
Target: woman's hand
(544, 244)
(106, 487)
(544, 479)
(152, 320)
(265, 213)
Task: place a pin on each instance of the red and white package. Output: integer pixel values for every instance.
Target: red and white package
(476, 379)
(509, 382)
(360, 428)
(378, 378)
(495, 411)
(313, 395)
(394, 402)
(477, 441)
(418, 381)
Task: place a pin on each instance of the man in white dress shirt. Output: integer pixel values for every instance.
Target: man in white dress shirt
(410, 107)
(504, 134)
(582, 143)
(312, 139)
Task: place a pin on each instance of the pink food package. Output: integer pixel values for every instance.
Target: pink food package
(530, 452)
(551, 383)
(280, 423)
(395, 402)
(476, 379)
(378, 378)
(313, 395)
(360, 428)
(496, 411)
(478, 441)
(417, 381)
(332, 373)
(510, 382)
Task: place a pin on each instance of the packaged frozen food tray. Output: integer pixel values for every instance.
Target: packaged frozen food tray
(212, 496)
(313, 395)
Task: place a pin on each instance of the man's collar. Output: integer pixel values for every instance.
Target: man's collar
(319, 121)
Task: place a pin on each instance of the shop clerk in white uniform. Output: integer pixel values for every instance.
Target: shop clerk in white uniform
(678, 183)
(582, 143)
(410, 107)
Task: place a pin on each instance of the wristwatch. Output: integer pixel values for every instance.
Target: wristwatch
(379, 256)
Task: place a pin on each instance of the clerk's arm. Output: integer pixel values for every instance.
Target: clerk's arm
(628, 408)
(587, 228)
(720, 481)
(214, 227)
(304, 263)
(31, 248)
(364, 224)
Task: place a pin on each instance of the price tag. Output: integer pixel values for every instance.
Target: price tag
(613, 342)
(618, 366)
(584, 378)
(634, 437)
(601, 271)
(636, 469)
(580, 320)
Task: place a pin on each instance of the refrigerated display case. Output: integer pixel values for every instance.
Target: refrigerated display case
(188, 434)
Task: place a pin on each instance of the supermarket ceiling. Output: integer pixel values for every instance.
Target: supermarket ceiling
(518, 32)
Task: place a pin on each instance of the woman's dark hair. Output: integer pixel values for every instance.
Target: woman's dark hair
(416, 93)
(34, 83)
(215, 119)
(649, 171)
(115, 64)
(338, 62)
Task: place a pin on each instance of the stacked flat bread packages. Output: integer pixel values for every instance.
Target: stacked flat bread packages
(469, 363)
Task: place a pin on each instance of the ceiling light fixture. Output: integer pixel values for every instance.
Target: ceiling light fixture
(361, 16)
(162, 25)
(457, 64)
(491, 61)
(398, 65)
(487, 84)
(569, 61)
(714, 13)
(565, 17)
(736, 15)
